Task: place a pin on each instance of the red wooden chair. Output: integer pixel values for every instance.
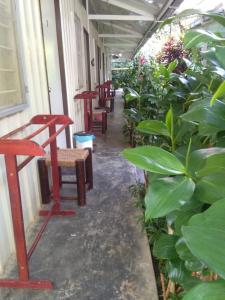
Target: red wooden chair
(111, 92)
(105, 99)
(112, 89)
(95, 119)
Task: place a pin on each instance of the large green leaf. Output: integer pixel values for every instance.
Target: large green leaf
(220, 54)
(205, 237)
(176, 270)
(207, 117)
(216, 17)
(192, 263)
(219, 93)
(169, 121)
(215, 56)
(154, 159)
(210, 189)
(172, 66)
(190, 12)
(164, 247)
(220, 142)
(182, 219)
(195, 37)
(213, 290)
(214, 164)
(167, 194)
(178, 273)
(204, 162)
(153, 127)
(131, 95)
(183, 14)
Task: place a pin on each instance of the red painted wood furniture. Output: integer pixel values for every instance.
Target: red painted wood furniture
(105, 101)
(95, 119)
(11, 148)
(111, 92)
(78, 159)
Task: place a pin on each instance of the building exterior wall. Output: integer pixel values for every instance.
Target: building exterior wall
(35, 79)
(68, 9)
(30, 39)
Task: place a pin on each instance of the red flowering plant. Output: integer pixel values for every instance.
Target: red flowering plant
(173, 50)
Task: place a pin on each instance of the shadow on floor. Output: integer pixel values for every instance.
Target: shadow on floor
(101, 253)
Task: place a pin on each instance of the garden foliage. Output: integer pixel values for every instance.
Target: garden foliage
(177, 119)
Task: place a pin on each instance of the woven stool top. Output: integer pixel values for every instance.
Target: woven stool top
(98, 111)
(67, 157)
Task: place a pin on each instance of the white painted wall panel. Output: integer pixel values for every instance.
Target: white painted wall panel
(68, 9)
(30, 38)
(35, 79)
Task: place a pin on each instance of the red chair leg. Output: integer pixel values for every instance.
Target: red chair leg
(89, 169)
(60, 176)
(80, 173)
(112, 105)
(44, 183)
(104, 122)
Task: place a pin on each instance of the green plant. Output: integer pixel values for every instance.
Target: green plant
(185, 165)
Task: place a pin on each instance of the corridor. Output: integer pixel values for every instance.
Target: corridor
(101, 253)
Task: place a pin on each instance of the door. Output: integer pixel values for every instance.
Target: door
(98, 63)
(87, 60)
(103, 67)
(52, 62)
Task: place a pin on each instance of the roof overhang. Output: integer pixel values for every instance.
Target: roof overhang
(125, 26)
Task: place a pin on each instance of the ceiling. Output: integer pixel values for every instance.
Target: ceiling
(126, 25)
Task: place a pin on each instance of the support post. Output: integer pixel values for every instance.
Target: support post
(17, 216)
(55, 170)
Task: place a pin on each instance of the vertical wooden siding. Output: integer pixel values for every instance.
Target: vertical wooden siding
(30, 40)
(36, 81)
(68, 9)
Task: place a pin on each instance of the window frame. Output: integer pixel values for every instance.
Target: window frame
(79, 51)
(16, 108)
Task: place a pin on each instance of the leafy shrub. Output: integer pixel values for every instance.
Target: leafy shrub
(184, 157)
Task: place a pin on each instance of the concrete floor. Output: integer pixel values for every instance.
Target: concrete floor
(101, 253)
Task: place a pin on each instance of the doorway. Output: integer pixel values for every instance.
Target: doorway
(87, 60)
(98, 64)
(51, 49)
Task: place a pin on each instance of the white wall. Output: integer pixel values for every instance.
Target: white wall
(36, 81)
(68, 8)
(52, 62)
(35, 77)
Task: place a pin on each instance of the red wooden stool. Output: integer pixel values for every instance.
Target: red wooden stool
(80, 160)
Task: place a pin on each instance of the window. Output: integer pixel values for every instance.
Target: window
(79, 51)
(11, 96)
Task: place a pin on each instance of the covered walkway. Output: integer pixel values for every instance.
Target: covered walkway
(101, 253)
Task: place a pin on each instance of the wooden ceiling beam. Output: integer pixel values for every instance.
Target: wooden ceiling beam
(119, 17)
(138, 8)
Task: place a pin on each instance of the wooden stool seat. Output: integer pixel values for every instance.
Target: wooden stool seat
(80, 160)
(97, 110)
(67, 157)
